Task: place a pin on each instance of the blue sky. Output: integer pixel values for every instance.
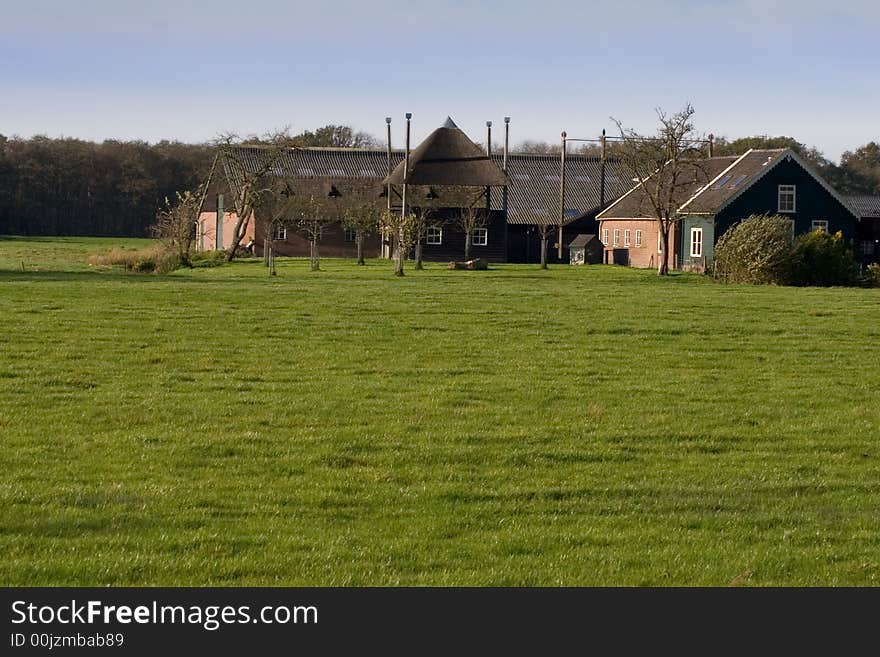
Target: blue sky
(184, 70)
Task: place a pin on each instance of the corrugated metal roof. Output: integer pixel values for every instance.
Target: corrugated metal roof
(533, 191)
(867, 207)
(322, 162)
(533, 187)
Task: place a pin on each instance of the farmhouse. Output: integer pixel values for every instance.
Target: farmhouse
(447, 172)
(726, 190)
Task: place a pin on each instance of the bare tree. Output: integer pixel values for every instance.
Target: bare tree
(402, 229)
(337, 136)
(421, 217)
(468, 220)
(274, 206)
(545, 230)
(535, 147)
(311, 215)
(364, 219)
(666, 167)
(176, 222)
(249, 169)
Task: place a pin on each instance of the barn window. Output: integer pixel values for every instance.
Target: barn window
(820, 224)
(786, 198)
(280, 232)
(434, 235)
(638, 238)
(481, 236)
(626, 237)
(605, 236)
(350, 234)
(616, 236)
(696, 242)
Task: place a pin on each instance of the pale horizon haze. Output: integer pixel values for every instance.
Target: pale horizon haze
(188, 71)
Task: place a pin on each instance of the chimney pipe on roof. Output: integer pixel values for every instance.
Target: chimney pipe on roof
(406, 161)
(399, 254)
(711, 145)
(561, 195)
(602, 172)
(504, 162)
(386, 247)
(489, 154)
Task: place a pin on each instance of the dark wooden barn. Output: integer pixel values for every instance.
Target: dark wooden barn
(867, 245)
(533, 200)
(448, 172)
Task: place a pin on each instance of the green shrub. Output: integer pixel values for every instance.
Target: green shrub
(822, 259)
(757, 250)
(169, 262)
(145, 265)
(207, 258)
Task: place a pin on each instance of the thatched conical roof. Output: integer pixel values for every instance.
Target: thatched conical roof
(448, 157)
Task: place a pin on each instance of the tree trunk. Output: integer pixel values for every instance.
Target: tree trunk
(544, 239)
(271, 259)
(418, 256)
(398, 256)
(467, 245)
(663, 260)
(315, 262)
(266, 251)
(398, 261)
(360, 247)
(238, 235)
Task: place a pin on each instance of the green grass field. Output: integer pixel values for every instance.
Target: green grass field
(576, 426)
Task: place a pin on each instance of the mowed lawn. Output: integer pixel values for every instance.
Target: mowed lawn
(577, 426)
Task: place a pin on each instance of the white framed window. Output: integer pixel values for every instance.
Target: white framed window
(280, 232)
(616, 236)
(480, 237)
(867, 247)
(350, 234)
(820, 224)
(696, 242)
(605, 236)
(434, 235)
(787, 198)
(638, 238)
(626, 237)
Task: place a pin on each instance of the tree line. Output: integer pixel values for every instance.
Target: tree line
(115, 188)
(76, 187)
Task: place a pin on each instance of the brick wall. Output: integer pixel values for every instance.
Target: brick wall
(644, 255)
